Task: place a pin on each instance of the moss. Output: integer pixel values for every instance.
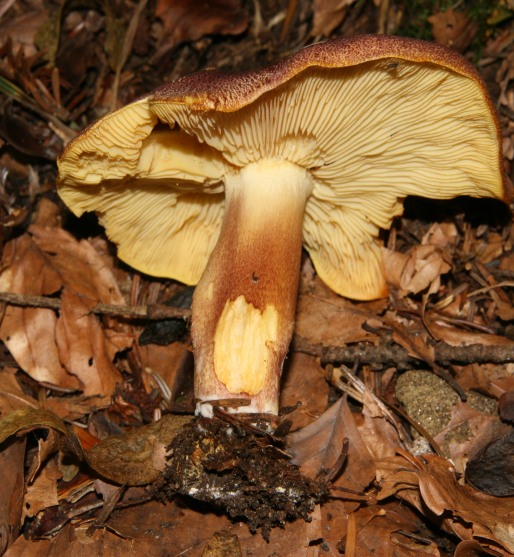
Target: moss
(429, 400)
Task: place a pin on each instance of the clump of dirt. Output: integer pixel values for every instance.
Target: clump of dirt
(242, 472)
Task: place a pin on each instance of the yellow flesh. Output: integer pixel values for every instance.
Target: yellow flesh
(369, 135)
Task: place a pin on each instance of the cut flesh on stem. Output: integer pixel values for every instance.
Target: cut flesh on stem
(244, 305)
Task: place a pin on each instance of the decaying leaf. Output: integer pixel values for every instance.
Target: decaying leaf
(327, 15)
(223, 544)
(137, 457)
(184, 21)
(304, 383)
(11, 494)
(71, 350)
(470, 514)
(331, 320)
(318, 448)
(384, 530)
(453, 29)
(24, 420)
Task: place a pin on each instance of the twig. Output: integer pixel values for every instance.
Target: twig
(126, 48)
(152, 312)
(385, 355)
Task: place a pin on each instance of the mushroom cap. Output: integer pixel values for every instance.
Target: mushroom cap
(372, 118)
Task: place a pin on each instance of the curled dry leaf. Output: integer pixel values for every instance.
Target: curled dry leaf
(70, 351)
(469, 514)
(317, 448)
(419, 270)
(430, 483)
(27, 419)
(471, 548)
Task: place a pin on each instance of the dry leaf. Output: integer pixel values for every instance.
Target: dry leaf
(420, 270)
(319, 446)
(42, 493)
(28, 333)
(22, 30)
(332, 321)
(11, 494)
(70, 351)
(467, 432)
(24, 420)
(304, 381)
(186, 21)
(471, 548)
(383, 530)
(470, 514)
(453, 29)
(327, 15)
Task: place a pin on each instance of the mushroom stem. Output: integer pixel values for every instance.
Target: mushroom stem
(244, 305)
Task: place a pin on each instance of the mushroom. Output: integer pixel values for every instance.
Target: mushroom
(218, 179)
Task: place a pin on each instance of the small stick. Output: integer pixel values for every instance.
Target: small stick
(152, 312)
(390, 354)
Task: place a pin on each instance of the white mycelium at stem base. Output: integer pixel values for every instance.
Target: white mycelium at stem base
(244, 304)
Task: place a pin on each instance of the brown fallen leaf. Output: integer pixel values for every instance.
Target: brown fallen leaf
(471, 548)
(468, 513)
(327, 15)
(318, 448)
(23, 420)
(11, 494)
(332, 320)
(22, 29)
(28, 333)
(154, 528)
(184, 21)
(453, 29)
(12, 461)
(304, 382)
(42, 263)
(419, 270)
(384, 530)
(42, 493)
(468, 431)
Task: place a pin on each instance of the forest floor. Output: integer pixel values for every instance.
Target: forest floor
(407, 403)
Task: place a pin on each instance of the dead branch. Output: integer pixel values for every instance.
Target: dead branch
(390, 354)
(152, 312)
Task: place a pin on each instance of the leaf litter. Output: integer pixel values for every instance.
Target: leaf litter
(88, 413)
